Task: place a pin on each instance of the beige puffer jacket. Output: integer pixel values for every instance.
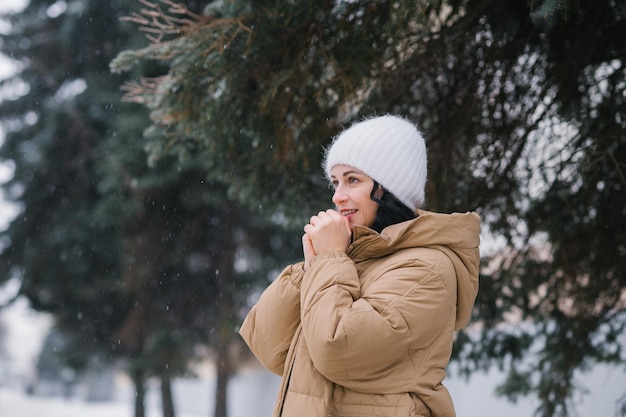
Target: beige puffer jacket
(369, 332)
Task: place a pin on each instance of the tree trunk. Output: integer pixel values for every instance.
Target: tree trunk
(166, 396)
(140, 393)
(223, 375)
(225, 313)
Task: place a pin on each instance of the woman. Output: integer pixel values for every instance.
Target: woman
(364, 325)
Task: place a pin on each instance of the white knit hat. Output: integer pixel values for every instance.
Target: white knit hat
(390, 150)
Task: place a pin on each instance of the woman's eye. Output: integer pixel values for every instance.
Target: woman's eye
(353, 180)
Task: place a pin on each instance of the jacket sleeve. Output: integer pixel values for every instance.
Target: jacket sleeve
(359, 339)
(271, 324)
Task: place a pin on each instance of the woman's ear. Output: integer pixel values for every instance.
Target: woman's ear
(379, 191)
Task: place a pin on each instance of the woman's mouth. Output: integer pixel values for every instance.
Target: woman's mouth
(347, 212)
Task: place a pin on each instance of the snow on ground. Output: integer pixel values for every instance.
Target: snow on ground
(252, 394)
(15, 403)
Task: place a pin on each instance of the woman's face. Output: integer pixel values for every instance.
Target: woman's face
(352, 195)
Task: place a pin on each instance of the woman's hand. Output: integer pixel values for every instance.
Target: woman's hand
(325, 232)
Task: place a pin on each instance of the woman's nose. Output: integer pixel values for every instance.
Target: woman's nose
(339, 196)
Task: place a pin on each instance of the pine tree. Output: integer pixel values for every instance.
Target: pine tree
(138, 264)
(521, 105)
(65, 255)
(52, 138)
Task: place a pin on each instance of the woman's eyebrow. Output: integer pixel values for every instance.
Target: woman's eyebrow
(349, 172)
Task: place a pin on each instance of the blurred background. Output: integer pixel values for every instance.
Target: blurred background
(158, 159)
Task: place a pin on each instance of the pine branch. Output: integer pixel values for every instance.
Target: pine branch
(137, 91)
(154, 20)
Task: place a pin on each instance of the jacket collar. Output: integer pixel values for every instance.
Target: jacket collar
(456, 230)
